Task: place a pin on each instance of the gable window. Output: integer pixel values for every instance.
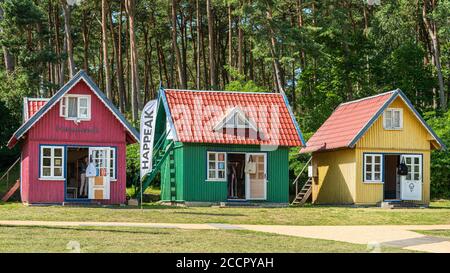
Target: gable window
(216, 166)
(373, 167)
(76, 107)
(51, 162)
(393, 119)
(235, 118)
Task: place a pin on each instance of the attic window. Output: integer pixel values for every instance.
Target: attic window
(76, 107)
(235, 119)
(393, 119)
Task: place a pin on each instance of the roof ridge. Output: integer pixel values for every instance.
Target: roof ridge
(221, 91)
(370, 97)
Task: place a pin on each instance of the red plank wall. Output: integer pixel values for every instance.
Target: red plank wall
(102, 130)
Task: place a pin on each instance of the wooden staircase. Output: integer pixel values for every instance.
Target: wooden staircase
(11, 191)
(6, 178)
(302, 193)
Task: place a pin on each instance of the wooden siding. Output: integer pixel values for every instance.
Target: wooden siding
(102, 130)
(373, 193)
(24, 171)
(412, 139)
(413, 136)
(103, 126)
(340, 173)
(193, 186)
(335, 183)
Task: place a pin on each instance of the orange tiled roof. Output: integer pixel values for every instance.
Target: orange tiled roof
(196, 113)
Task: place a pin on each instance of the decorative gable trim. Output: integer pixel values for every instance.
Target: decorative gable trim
(234, 113)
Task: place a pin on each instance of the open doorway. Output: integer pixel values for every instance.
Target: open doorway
(77, 183)
(392, 181)
(236, 176)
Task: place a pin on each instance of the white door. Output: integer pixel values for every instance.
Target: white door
(411, 184)
(256, 183)
(99, 186)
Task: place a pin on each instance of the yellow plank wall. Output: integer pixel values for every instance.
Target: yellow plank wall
(413, 138)
(335, 181)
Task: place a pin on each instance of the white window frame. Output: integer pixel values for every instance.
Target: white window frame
(393, 111)
(52, 161)
(112, 164)
(216, 169)
(64, 107)
(373, 180)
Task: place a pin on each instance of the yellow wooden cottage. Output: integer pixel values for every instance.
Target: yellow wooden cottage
(357, 153)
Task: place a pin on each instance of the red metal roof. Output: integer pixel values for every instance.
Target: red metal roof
(33, 105)
(345, 123)
(195, 114)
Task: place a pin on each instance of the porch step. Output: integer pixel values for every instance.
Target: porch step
(399, 204)
(82, 204)
(238, 203)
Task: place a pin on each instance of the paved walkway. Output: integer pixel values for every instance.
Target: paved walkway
(402, 236)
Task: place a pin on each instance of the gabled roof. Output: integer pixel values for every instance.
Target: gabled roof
(31, 106)
(81, 75)
(351, 120)
(193, 115)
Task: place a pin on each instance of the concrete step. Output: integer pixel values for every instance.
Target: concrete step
(399, 205)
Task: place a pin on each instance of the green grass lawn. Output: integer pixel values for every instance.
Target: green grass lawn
(438, 213)
(437, 232)
(101, 239)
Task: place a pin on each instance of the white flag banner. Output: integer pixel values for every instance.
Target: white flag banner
(148, 121)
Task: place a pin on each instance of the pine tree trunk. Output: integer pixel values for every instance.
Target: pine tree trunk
(276, 64)
(107, 68)
(119, 63)
(135, 87)
(176, 49)
(230, 37)
(8, 58)
(212, 46)
(85, 42)
(69, 42)
(433, 33)
(300, 26)
(198, 56)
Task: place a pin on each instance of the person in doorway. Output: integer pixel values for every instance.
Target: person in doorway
(83, 182)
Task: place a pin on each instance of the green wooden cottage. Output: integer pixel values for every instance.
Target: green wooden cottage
(220, 146)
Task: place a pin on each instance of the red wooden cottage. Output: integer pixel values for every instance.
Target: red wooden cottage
(62, 135)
